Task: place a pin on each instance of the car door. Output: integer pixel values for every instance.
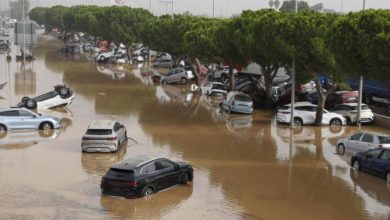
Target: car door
(177, 75)
(380, 165)
(167, 172)
(366, 142)
(11, 119)
(206, 88)
(169, 76)
(28, 120)
(367, 162)
(353, 142)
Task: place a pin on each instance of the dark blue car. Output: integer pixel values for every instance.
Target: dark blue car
(375, 161)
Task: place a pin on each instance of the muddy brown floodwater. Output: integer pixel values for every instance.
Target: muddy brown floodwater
(246, 167)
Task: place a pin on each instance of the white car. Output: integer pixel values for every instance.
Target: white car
(119, 52)
(104, 136)
(349, 111)
(214, 88)
(60, 97)
(305, 113)
(238, 102)
(363, 141)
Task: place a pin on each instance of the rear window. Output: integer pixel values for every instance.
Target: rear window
(120, 172)
(243, 98)
(384, 140)
(99, 131)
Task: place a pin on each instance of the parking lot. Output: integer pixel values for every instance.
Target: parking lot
(245, 166)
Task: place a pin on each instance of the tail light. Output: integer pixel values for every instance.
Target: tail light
(132, 183)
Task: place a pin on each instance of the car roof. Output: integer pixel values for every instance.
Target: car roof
(133, 163)
(13, 108)
(301, 104)
(352, 104)
(102, 124)
(373, 133)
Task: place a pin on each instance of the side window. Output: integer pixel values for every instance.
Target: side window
(10, 113)
(311, 108)
(149, 168)
(169, 73)
(367, 138)
(177, 71)
(301, 108)
(164, 165)
(356, 137)
(385, 155)
(374, 153)
(116, 126)
(25, 113)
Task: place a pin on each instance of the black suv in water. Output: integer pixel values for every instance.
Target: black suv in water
(142, 176)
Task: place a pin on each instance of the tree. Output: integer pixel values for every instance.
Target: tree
(38, 15)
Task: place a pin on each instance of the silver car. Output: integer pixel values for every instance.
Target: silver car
(363, 141)
(104, 136)
(177, 75)
(21, 118)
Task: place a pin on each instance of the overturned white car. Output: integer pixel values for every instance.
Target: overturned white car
(60, 97)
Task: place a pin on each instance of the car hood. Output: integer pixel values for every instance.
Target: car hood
(49, 117)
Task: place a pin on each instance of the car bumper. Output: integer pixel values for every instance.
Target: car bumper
(283, 119)
(121, 191)
(242, 110)
(98, 148)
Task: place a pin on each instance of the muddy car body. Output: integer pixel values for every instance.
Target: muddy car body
(61, 96)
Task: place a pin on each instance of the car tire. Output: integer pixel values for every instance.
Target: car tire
(341, 149)
(356, 165)
(388, 177)
(335, 122)
(65, 92)
(45, 126)
(183, 80)
(147, 191)
(349, 121)
(3, 131)
(120, 54)
(102, 58)
(24, 99)
(31, 104)
(207, 93)
(164, 83)
(184, 179)
(298, 122)
(46, 133)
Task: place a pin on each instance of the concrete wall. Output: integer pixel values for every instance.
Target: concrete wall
(382, 121)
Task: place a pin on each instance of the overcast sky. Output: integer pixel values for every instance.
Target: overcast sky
(223, 8)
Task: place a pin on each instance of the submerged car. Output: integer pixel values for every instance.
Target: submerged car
(21, 118)
(118, 52)
(177, 75)
(104, 136)
(350, 110)
(60, 97)
(214, 88)
(375, 161)
(362, 141)
(237, 102)
(305, 113)
(142, 176)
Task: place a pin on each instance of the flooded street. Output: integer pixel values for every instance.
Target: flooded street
(245, 166)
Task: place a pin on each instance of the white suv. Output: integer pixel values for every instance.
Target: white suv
(305, 113)
(104, 136)
(349, 111)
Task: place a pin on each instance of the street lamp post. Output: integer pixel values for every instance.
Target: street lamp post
(293, 82)
(213, 8)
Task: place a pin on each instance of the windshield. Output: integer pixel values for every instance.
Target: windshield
(99, 131)
(243, 98)
(384, 139)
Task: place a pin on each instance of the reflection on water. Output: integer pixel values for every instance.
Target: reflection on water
(26, 138)
(245, 166)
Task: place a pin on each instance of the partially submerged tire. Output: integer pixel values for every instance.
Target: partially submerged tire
(148, 191)
(335, 122)
(31, 104)
(183, 80)
(184, 179)
(3, 131)
(356, 165)
(65, 93)
(102, 58)
(341, 149)
(298, 122)
(45, 126)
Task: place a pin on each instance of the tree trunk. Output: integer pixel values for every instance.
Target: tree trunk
(269, 75)
(196, 69)
(320, 103)
(231, 76)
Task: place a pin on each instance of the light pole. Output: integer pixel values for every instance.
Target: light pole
(359, 116)
(213, 8)
(293, 83)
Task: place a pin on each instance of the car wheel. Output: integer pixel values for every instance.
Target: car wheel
(298, 122)
(355, 165)
(46, 133)
(148, 191)
(31, 103)
(349, 121)
(184, 179)
(102, 58)
(164, 83)
(335, 122)
(45, 126)
(207, 93)
(341, 149)
(388, 177)
(24, 99)
(3, 131)
(183, 80)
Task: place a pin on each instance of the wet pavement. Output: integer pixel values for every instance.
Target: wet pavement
(246, 167)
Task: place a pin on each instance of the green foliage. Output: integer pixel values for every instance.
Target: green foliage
(289, 6)
(38, 15)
